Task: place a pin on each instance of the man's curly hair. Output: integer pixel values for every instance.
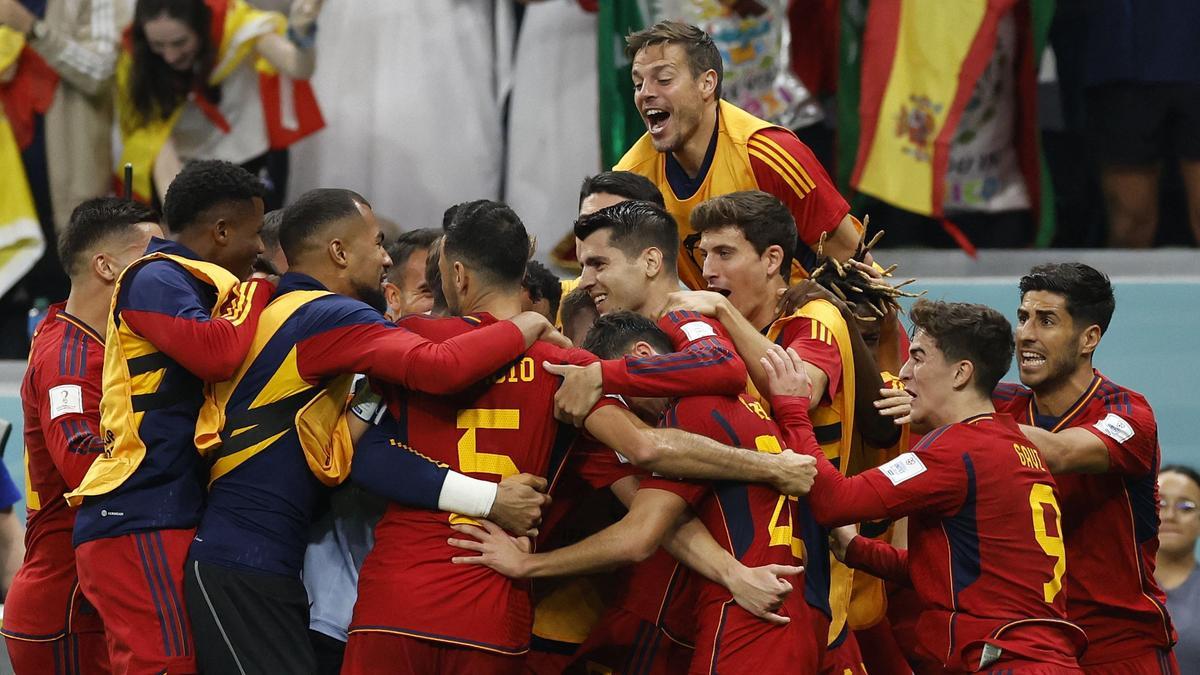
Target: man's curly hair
(203, 184)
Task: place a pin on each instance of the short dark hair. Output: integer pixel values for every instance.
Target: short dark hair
(613, 334)
(270, 230)
(433, 279)
(968, 332)
(203, 184)
(1182, 470)
(92, 221)
(702, 54)
(576, 302)
(542, 284)
(634, 227)
(762, 218)
(311, 212)
(489, 235)
(1088, 291)
(625, 184)
(406, 244)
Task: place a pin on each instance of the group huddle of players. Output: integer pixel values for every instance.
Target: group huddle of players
(769, 475)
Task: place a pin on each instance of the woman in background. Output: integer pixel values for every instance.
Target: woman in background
(1178, 495)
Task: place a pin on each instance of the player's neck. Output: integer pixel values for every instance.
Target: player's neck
(691, 155)
(84, 304)
(966, 406)
(765, 312)
(502, 305)
(196, 242)
(1173, 568)
(1055, 397)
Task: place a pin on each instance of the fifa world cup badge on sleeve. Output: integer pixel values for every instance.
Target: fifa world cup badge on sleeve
(902, 468)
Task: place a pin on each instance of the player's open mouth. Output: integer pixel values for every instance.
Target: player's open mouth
(1032, 359)
(599, 299)
(723, 291)
(656, 119)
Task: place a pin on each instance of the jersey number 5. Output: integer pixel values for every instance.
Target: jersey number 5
(1041, 496)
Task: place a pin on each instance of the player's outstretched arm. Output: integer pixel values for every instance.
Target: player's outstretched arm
(679, 454)
(758, 590)
(632, 539)
(875, 557)
(1074, 450)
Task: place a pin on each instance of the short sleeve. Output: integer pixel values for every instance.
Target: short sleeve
(786, 168)
(817, 346)
(688, 491)
(598, 465)
(1130, 433)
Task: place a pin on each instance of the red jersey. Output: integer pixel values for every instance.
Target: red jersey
(817, 346)
(1110, 520)
(754, 522)
(985, 552)
(408, 586)
(60, 397)
(704, 361)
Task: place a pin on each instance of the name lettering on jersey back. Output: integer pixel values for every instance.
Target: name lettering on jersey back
(1029, 457)
(522, 371)
(755, 407)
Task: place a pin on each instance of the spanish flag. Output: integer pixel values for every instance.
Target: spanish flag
(30, 92)
(920, 62)
(289, 106)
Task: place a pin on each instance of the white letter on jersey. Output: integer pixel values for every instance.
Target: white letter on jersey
(1115, 428)
(696, 330)
(902, 468)
(65, 398)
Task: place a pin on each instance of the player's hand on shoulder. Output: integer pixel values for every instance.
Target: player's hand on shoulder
(581, 388)
(896, 404)
(707, 303)
(496, 548)
(840, 538)
(762, 590)
(786, 374)
(519, 503)
(794, 473)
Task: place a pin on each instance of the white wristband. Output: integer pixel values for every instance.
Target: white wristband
(467, 496)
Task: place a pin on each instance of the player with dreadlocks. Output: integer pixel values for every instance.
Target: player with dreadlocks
(845, 328)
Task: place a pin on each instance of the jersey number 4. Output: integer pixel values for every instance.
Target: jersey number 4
(1041, 496)
(782, 533)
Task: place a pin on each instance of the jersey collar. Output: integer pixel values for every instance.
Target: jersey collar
(1055, 424)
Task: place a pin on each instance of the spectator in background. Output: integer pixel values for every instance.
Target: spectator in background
(540, 290)
(415, 90)
(1143, 107)
(1178, 497)
(182, 97)
(78, 40)
(406, 289)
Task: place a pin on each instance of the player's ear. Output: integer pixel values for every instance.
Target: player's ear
(220, 232)
(652, 261)
(774, 257)
(337, 253)
(105, 267)
(1089, 340)
(462, 278)
(641, 349)
(708, 83)
(963, 371)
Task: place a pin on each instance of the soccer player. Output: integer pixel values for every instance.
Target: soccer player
(754, 524)
(985, 544)
(414, 604)
(274, 443)
(406, 289)
(577, 313)
(1101, 441)
(541, 290)
(271, 260)
(744, 242)
(698, 146)
(181, 317)
(46, 622)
